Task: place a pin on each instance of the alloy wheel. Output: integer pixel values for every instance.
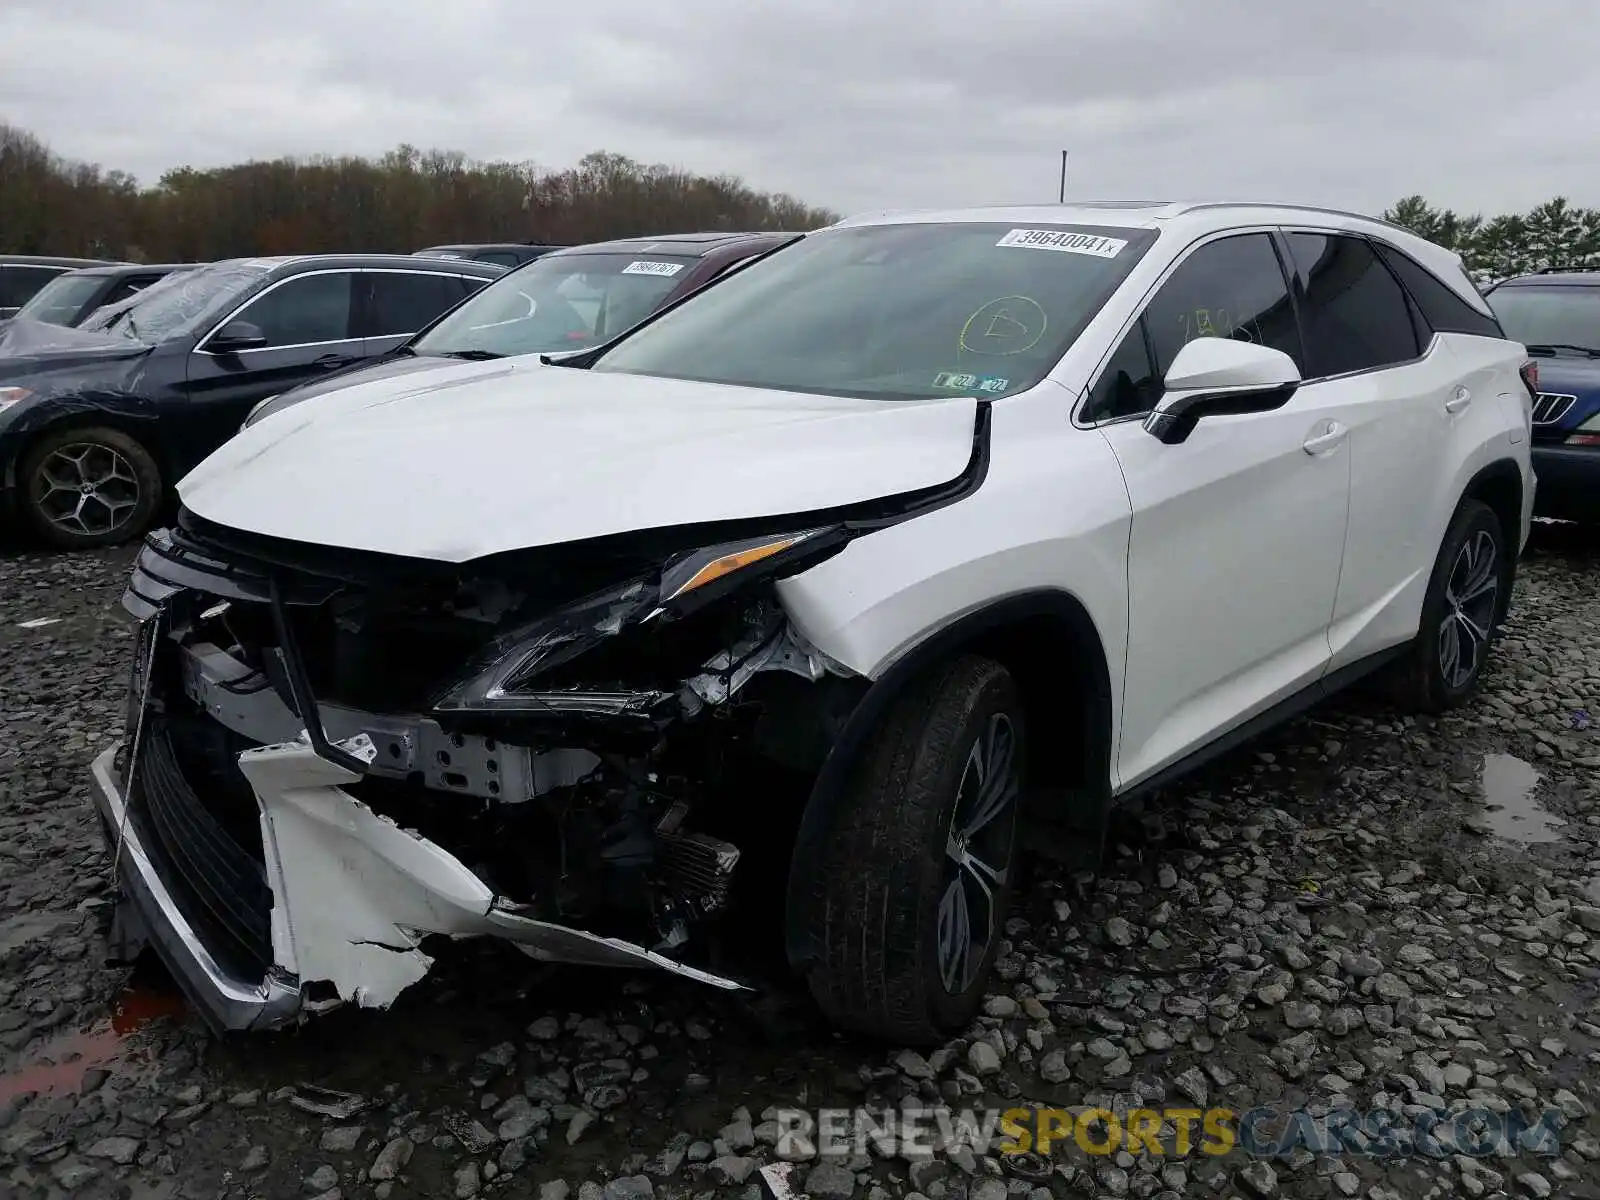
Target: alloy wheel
(978, 850)
(1470, 596)
(86, 489)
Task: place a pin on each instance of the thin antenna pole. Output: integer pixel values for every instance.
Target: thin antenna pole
(1063, 177)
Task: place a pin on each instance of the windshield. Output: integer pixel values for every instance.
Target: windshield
(107, 315)
(560, 303)
(60, 300)
(1562, 317)
(894, 312)
(180, 303)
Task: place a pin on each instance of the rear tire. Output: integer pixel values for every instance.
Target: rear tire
(920, 861)
(81, 488)
(1466, 598)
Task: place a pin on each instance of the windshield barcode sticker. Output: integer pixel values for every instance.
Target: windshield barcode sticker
(652, 268)
(1059, 239)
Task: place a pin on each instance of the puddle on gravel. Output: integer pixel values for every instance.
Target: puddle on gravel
(1511, 811)
(61, 1064)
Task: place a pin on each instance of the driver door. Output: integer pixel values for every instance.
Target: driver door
(308, 322)
(1237, 533)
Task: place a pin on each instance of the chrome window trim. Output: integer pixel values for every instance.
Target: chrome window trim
(200, 345)
(1425, 353)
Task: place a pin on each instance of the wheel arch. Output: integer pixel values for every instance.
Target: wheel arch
(59, 414)
(1499, 485)
(1053, 649)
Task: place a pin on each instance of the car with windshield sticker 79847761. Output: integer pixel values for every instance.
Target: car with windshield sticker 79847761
(812, 599)
(97, 422)
(570, 299)
(1556, 314)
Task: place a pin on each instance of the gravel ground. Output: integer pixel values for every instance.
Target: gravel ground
(1333, 912)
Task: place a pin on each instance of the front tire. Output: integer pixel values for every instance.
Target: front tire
(920, 860)
(81, 488)
(1466, 598)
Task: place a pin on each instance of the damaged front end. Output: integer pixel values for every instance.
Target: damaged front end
(332, 756)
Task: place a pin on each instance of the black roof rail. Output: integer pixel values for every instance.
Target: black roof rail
(1561, 270)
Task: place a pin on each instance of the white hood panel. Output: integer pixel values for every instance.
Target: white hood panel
(511, 454)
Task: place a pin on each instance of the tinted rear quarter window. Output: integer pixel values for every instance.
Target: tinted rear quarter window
(403, 302)
(1355, 313)
(1442, 308)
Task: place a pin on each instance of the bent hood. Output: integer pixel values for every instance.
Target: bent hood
(516, 455)
(26, 344)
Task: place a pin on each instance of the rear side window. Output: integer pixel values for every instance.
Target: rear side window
(1356, 315)
(1444, 311)
(403, 303)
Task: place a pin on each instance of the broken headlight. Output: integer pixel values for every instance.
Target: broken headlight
(507, 676)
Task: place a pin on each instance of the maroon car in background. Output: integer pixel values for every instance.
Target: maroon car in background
(568, 299)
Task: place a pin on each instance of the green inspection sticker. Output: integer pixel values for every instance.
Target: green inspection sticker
(959, 382)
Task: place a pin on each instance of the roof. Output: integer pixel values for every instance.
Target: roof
(51, 260)
(1189, 219)
(291, 263)
(458, 246)
(691, 245)
(136, 268)
(1554, 279)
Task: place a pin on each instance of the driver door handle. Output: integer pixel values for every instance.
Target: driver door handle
(1459, 401)
(1330, 435)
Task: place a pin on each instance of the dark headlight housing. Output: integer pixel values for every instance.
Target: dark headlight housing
(514, 673)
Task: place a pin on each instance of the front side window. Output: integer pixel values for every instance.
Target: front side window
(557, 303)
(893, 312)
(1563, 319)
(1233, 287)
(1356, 314)
(304, 310)
(61, 300)
(402, 302)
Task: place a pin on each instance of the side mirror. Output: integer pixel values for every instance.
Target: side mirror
(1213, 377)
(236, 336)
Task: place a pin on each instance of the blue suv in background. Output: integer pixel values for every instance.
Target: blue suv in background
(1556, 315)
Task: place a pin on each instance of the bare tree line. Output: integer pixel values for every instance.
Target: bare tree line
(407, 199)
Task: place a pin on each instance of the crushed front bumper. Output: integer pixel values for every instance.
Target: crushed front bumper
(353, 894)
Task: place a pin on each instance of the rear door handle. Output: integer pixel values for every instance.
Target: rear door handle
(1330, 436)
(1459, 401)
(329, 361)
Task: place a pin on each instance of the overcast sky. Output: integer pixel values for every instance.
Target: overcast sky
(1482, 105)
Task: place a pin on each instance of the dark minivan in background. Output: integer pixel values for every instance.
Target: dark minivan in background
(506, 254)
(72, 296)
(21, 275)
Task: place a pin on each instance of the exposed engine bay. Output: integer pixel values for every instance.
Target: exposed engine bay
(331, 756)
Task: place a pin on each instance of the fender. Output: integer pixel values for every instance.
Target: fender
(125, 411)
(1086, 807)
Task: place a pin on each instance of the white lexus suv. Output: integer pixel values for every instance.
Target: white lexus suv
(819, 595)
